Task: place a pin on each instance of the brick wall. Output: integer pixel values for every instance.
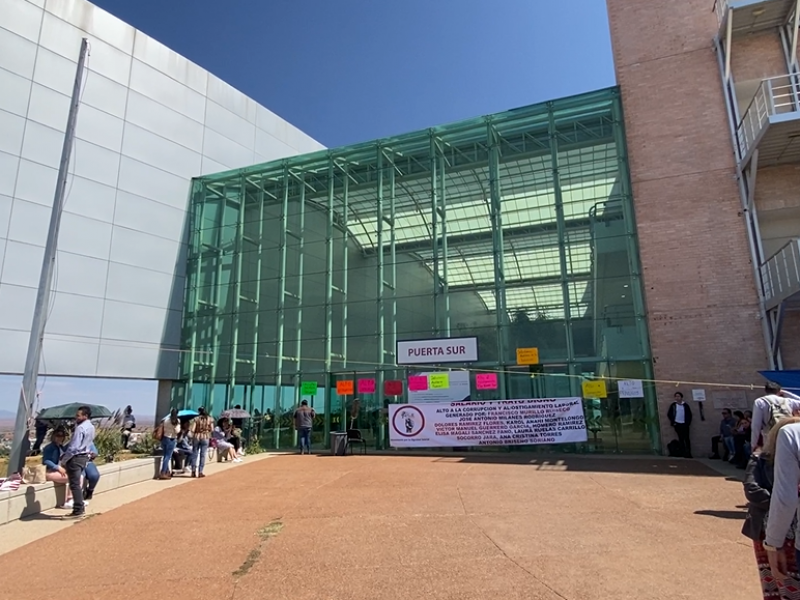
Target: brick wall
(699, 284)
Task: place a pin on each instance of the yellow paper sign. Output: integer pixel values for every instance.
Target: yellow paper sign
(595, 389)
(527, 356)
(345, 388)
(439, 381)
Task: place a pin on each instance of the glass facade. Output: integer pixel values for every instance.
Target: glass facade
(515, 228)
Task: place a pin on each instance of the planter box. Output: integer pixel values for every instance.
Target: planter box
(32, 499)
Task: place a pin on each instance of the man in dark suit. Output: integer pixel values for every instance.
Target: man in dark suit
(680, 417)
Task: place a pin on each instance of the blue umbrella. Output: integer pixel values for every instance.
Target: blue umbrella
(186, 412)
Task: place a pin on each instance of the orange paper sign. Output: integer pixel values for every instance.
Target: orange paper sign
(344, 388)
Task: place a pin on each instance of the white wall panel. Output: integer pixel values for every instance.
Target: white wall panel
(67, 354)
(128, 360)
(300, 141)
(48, 107)
(122, 246)
(109, 62)
(35, 183)
(95, 21)
(29, 222)
(230, 125)
(60, 37)
(16, 307)
(22, 264)
(55, 72)
(84, 236)
(149, 182)
(135, 285)
(169, 62)
(160, 152)
(141, 214)
(231, 99)
(12, 128)
(104, 94)
(143, 250)
(95, 163)
(73, 315)
(5, 218)
(219, 148)
(99, 128)
(17, 54)
(8, 173)
(16, 93)
(42, 144)
(132, 322)
(149, 82)
(157, 118)
(90, 199)
(22, 18)
(81, 275)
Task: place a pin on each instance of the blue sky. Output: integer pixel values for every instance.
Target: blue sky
(347, 71)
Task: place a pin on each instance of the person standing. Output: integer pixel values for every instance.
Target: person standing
(304, 423)
(128, 425)
(76, 456)
(202, 426)
(768, 410)
(170, 428)
(680, 417)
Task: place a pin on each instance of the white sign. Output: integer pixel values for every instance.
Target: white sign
(699, 395)
(630, 388)
(458, 390)
(495, 423)
(428, 352)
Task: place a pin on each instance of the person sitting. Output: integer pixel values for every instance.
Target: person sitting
(225, 449)
(90, 475)
(183, 449)
(726, 426)
(51, 455)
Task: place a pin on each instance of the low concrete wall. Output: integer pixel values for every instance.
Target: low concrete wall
(32, 499)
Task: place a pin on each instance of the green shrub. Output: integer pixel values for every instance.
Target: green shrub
(254, 446)
(108, 441)
(146, 444)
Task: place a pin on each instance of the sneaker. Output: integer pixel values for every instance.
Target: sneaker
(66, 506)
(87, 495)
(194, 474)
(237, 460)
(75, 515)
(201, 475)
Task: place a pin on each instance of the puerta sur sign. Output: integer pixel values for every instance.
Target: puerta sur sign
(449, 350)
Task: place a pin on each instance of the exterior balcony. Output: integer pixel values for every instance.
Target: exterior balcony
(771, 124)
(745, 17)
(780, 276)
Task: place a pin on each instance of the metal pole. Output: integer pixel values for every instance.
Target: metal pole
(329, 302)
(496, 218)
(278, 409)
(34, 356)
(435, 235)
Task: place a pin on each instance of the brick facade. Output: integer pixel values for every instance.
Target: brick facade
(700, 288)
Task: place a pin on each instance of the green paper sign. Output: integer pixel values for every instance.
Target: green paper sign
(308, 388)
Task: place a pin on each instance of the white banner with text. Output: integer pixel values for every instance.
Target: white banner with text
(492, 423)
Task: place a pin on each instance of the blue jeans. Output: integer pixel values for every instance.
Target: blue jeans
(167, 447)
(305, 438)
(92, 476)
(729, 445)
(199, 449)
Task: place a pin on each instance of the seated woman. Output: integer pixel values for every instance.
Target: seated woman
(220, 435)
(51, 455)
(183, 449)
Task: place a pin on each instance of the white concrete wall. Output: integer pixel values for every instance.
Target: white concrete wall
(149, 121)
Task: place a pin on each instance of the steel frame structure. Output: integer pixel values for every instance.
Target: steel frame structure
(500, 208)
(747, 157)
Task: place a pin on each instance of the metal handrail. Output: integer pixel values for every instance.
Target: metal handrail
(721, 6)
(776, 95)
(780, 274)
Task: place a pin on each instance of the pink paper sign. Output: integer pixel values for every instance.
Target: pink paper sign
(366, 386)
(417, 383)
(486, 381)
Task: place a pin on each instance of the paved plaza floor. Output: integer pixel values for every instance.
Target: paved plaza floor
(392, 527)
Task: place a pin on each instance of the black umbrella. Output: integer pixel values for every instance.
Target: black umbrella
(68, 411)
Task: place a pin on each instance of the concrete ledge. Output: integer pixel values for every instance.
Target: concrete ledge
(32, 499)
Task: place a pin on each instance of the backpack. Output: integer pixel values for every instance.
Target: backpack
(674, 449)
(777, 411)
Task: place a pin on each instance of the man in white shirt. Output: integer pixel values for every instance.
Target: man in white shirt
(680, 417)
(769, 409)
